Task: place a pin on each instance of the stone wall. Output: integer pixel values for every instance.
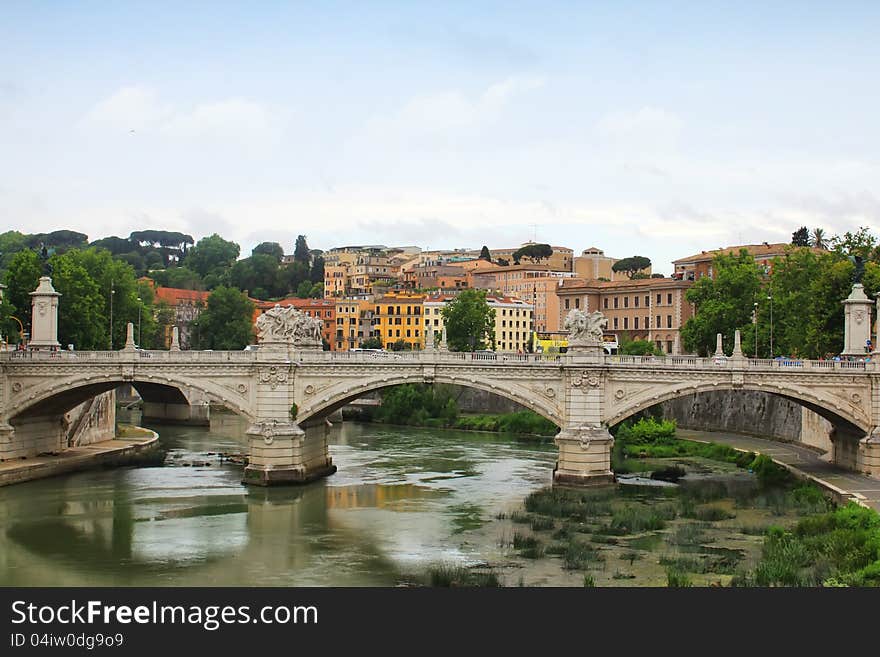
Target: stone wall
(93, 421)
(746, 411)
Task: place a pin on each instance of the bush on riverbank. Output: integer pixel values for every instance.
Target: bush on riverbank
(840, 547)
(423, 405)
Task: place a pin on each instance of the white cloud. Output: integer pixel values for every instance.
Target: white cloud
(446, 112)
(141, 109)
(646, 129)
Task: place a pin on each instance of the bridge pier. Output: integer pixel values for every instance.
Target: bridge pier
(584, 457)
(282, 453)
(164, 413)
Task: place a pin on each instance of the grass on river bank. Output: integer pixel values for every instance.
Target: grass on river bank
(430, 406)
(744, 521)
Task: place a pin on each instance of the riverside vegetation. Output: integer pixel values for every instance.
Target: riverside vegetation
(733, 519)
(434, 406)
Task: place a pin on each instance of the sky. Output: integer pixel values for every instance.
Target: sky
(658, 129)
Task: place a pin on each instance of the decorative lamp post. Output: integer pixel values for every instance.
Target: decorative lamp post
(770, 298)
(755, 321)
(139, 322)
(112, 292)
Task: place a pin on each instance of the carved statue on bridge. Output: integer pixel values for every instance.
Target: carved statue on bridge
(585, 327)
(287, 325)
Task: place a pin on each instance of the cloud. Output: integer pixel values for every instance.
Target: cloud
(446, 112)
(141, 109)
(645, 129)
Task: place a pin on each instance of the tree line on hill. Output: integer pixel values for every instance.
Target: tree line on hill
(99, 281)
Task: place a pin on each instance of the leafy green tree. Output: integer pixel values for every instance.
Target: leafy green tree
(630, 347)
(82, 319)
(316, 273)
(818, 239)
(269, 248)
(861, 243)
(484, 254)
(164, 320)
(227, 322)
(469, 321)
(212, 255)
(801, 237)
(632, 265)
(371, 343)
(22, 278)
(293, 275)
(534, 252)
(257, 274)
(401, 345)
(58, 241)
(11, 242)
(116, 245)
(724, 303)
(501, 262)
(304, 290)
(301, 251)
(181, 278)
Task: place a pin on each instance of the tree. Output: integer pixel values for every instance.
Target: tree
(304, 290)
(724, 303)
(801, 237)
(861, 243)
(301, 251)
(269, 248)
(22, 278)
(316, 274)
(534, 252)
(630, 347)
(371, 343)
(182, 278)
(228, 321)
(211, 256)
(818, 239)
(115, 245)
(632, 265)
(82, 320)
(484, 254)
(11, 242)
(259, 275)
(501, 262)
(469, 321)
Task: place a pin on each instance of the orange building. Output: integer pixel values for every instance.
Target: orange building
(186, 305)
(695, 267)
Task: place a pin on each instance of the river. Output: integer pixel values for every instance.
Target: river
(403, 499)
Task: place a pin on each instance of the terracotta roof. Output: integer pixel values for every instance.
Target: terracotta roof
(610, 286)
(756, 250)
(175, 296)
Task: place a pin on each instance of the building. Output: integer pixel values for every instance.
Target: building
(695, 267)
(427, 277)
(398, 317)
(560, 260)
(185, 306)
(513, 320)
(652, 309)
(533, 283)
(592, 264)
(354, 323)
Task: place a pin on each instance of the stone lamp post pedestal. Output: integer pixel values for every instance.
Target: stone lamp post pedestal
(856, 322)
(44, 316)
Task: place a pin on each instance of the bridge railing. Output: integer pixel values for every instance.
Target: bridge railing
(126, 356)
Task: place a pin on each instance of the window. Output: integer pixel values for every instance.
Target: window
(615, 322)
(566, 305)
(605, 303)
(577, 303)
(636, 320)
(669, 346)
(615, 302)
(636, 301)
(626, 302)
(658, 299)
(669, 298)
(668, 321)
(625, 323)
(657, 325)
(647, 300)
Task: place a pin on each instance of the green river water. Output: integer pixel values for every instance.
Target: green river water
(403, 499)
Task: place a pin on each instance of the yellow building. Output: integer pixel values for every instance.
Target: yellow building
(513, 320)
(399, 317)
(592, 264)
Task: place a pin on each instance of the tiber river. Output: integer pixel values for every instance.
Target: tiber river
(402, 500)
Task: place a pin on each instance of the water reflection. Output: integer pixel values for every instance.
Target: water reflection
(402, 498)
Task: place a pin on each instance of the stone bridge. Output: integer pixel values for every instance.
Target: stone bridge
(287, 393)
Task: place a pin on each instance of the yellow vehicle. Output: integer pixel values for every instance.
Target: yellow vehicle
(609, 341)
(549, 343)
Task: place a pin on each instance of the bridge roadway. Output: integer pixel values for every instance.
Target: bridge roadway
(287, 393)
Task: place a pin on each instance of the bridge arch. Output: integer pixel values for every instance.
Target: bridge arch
(59, 396)
(846, 418)
(334, 398)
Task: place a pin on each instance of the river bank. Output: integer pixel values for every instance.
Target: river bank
(131, 446)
